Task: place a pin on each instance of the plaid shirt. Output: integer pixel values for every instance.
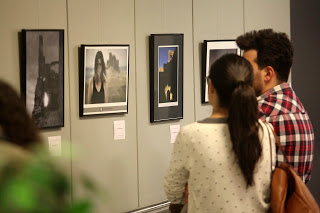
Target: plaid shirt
(281, 107)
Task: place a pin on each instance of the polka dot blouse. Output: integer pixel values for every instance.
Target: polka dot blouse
(203, 158)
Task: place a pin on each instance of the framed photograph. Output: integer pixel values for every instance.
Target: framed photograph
(211, 51)
(103, 79)
(42, 75)
(166, 77)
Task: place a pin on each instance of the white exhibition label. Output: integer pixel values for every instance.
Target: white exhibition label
(174, 131)
(119, 130)
(55, 145)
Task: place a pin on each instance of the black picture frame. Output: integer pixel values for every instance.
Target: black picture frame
(42, 75)
(116, 79)
(211, 51)
(166, 74)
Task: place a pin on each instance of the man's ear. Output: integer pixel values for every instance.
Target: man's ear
(269, 74)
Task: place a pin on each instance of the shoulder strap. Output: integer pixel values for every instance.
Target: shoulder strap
(265, 123)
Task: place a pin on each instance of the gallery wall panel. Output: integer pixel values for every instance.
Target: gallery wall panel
(267, 14)
(25, 15)
(112, 163)
(154, 148)
(48, 11)
(212, 20)
(31, 14)
(16, 15)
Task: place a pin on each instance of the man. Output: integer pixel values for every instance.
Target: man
(270, 54)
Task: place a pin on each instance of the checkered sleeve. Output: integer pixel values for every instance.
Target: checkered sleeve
(294, 129)
(296, 137)
(283, 109)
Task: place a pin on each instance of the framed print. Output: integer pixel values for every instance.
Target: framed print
(42, 75)
(211, 51)
(103, 79)
(166, 77)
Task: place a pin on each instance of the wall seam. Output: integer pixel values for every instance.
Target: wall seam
(70, 120)
(194, 75)
(243, 16)
(99, 22)
(163, 24)
(135, 69)
(38, 16)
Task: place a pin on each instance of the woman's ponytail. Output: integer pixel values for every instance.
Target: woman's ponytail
(243, 127)
(232, 77)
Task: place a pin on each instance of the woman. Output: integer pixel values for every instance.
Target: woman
(16, 126)
(225, 159)
(97, 91)
(26, 167)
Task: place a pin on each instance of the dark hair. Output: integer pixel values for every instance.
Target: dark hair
(273, 49)
(232, 77)
(16, 124)
(99, 55)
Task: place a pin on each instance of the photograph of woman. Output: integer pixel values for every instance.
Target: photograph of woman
(105, 79)
(97, 89)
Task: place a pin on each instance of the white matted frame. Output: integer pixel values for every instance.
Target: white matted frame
(111, 94)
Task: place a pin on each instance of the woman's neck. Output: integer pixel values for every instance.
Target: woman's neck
(97, 78)
(218, 112)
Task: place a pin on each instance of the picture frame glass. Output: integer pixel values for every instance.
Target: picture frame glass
(105, 77)
(214, 49)
(42, 76)
(168, 76)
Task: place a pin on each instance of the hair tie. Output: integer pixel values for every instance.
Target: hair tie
(239, 82)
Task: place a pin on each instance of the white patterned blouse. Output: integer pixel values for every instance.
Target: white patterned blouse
(203, 158)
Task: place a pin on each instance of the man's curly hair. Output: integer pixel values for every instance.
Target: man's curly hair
(273, 49)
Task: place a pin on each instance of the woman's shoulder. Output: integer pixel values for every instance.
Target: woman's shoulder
(193, 128)
(189, 126)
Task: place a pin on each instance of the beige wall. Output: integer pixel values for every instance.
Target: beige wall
(31, 14)
(131, 170)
